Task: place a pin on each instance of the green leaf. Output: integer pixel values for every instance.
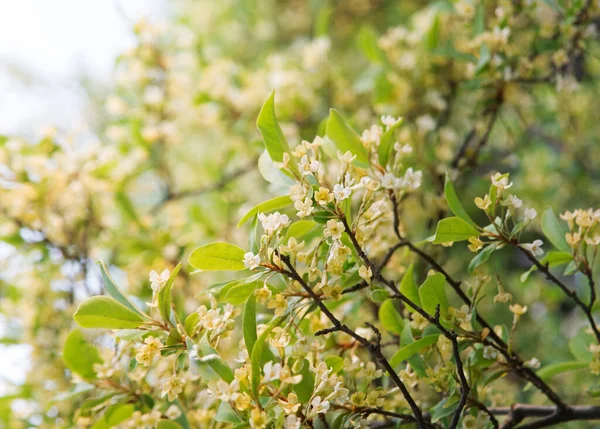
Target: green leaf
(555, 230)
(249, 323)
(550, 371)
(79, 355)
(226, 414)
(106, 313)
(305, 388)
(272, 173)
(113, 290)
(165, 298)
(413, 348)
(386, 144)
(453, 229)
(266, 207)
(367, 42)
(275, 141)
(432, 36)
(346, 139)
(432, 292)
(239, 294)
(389, 317)
(190, 323)
(256, 358)
(454, 203)
(481, 258)
(579, 346)
(208, 355)
(300, 228)
(114, 415)
(127, 207)
(218, 256)
(168, 424)
(553, 259)
(408, 287)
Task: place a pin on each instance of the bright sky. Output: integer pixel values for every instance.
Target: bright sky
(48, 44)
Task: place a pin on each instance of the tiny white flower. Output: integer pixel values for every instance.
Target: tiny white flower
(530, 214)
(535, 248)
(307, 166)
(334, 229)
(340, 192)
(389, 121)
(346, 158)
(251, 261)
(500, 181)
(159, 280)
(305, 208)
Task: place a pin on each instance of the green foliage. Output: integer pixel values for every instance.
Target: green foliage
(103, 312)
(217, 257)
(453, 229)
(345, 138)
(275, 141)
(554, 230)
(276, 203)
(413, 348)
(79, 355)
(433, 293)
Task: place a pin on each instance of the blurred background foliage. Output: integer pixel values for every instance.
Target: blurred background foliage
(171, 161)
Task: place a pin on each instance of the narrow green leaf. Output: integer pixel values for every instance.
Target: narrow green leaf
(553, 259)
(367, 42)
(113, 290)
(305, 388)
(411, 349)
(239, 294)
(256, 358)
(226, 414)
(409, 288)
(300, 228)
(415, 360)
(346, 139)
(249, 323)
(579, 346)
(127, 207)
(453, 229)
(432, 292)
(481, 258)
(275, 141)
(386, 144)
(190, 323)
(207, 354)
(168, 424)
(271, 172)
(79, 355)
(552, 370)
(106, 313)
(165, 298)
(114, 415)
(271, 205)
(389, 317)
(555, 230)
(218, 256)
(454, 203)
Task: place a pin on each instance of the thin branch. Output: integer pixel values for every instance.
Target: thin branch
(549, 415)
(216, 186)
(376, 350)
(434, 320)
(569, 292)
(516, 363)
